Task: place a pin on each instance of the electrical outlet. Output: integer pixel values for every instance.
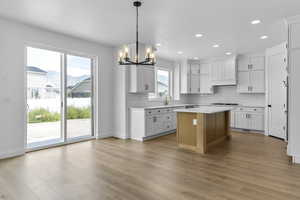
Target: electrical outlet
(195, 122)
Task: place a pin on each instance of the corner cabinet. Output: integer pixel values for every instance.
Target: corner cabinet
(251, 74)
(223, 71)
(141, 79)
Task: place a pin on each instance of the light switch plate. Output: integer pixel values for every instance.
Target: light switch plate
(195, 121)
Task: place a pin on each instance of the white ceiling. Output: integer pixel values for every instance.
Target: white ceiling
(173, 23)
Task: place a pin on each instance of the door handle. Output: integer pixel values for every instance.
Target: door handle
(269, 106)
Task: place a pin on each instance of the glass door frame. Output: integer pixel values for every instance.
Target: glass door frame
(63, 104)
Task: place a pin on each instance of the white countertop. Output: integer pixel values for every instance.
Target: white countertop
(164, 106)
(206, 105)
(206, 109)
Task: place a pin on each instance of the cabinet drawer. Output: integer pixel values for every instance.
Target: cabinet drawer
(167, 117)
(158, 111)
(149, 112)
(250, 109)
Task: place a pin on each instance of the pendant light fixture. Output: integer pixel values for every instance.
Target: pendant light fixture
(125, 58)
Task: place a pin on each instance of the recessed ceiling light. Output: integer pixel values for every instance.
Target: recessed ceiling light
(180, 52)
(216, 46)
(196, 58)
(158, 44)
(257, 21)
(228, 53)
(198, 35)
(264, 37)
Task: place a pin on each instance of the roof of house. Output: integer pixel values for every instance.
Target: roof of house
(35, 69)
(82, 86)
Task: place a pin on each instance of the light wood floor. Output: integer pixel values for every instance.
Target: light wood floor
(249, 166)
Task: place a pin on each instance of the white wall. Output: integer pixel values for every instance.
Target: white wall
(13, 38)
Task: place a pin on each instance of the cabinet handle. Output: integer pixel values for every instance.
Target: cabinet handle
(154, 119)
(146, 86)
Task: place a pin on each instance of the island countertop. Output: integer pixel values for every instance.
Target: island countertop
(205, 109)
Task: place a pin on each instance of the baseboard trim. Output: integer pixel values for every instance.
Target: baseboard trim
(247, 131)
(12, 154)
(104, 135)
(120, 136)
(296, 159)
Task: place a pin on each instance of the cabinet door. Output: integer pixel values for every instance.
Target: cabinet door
(243, 82)
(204, 68)
(257, 63)
(229, 73)
(195, 69)
(147, 81)
(205, 84)
(157, 124)
(195, 84)
(149, 126)
(232, 119)
(215, 71)
(241, 120)
(256, 121)
(243, 63)
(257, 81)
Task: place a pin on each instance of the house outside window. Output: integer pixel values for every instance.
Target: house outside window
(163, 83)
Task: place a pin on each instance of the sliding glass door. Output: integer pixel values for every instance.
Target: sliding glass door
(79, 97)
(44, 97)
(59, 97)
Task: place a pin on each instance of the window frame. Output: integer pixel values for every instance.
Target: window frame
(155, 96)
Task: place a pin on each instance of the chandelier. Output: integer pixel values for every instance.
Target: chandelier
(124, 56)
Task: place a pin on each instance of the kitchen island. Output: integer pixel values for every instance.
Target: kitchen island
(199, 129)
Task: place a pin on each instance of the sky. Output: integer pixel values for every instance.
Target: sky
(50, 61)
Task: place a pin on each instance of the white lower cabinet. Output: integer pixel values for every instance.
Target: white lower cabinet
(149, 123)
(248, 118)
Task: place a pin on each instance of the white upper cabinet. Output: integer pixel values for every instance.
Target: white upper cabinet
(205, 84)
(205, 79)
(251, 74)
(243, 81)
(185, 81)
(190, 77)
(243, 63)
(257, 63)
(141, 79)
(223, 71)
(204, 68)
(196, 78)
(195, 84)
(195, 69)
(257, 81)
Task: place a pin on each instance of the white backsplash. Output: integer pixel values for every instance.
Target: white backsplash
(228, 94)
(142, 100)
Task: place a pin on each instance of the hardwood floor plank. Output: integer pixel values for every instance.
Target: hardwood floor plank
(247, 167)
